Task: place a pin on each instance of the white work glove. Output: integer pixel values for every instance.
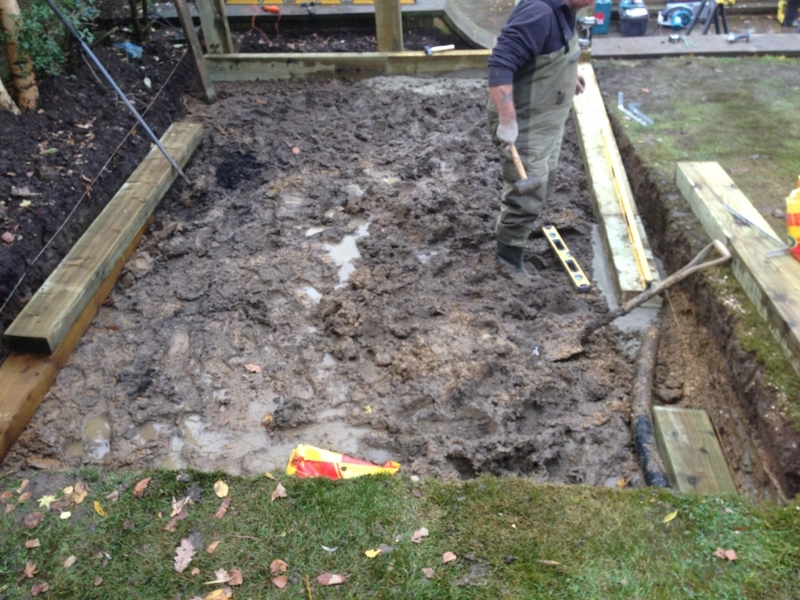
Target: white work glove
(508, 132)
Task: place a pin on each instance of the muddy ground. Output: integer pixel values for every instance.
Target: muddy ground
(328, 278)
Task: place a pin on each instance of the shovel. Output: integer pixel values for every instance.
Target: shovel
(570, 347)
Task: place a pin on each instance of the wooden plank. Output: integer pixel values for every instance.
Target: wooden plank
(772, 284)
(462, 18)
(604, 165)
(215, 26)
(389, 25)
(652, 46)
(354, 65)
(46, 319)
(25, 378)
(691, 451)
(195, 50)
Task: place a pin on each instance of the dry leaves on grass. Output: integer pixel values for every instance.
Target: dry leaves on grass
(40, 588)
(280, 492)
(722, 553)
(670, 517)
(330, 579)
(46, 500)
(113, 496)
(97, 581)
(22, 485)
(32, 543)
(70, 561)
(276, 568)
(183, 555)
(30, 569)
(212, 546)
(221, 489)
(80, 492)
(448, 557)
(5, 496)
(32, 520)
(419, 534)
(429, 573)
(140, 487)
(220, 594)
(99, 509)
(280, 582)
(223, 507)
(24, 497)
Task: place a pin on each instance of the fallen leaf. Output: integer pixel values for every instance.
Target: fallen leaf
(368, 409)
(10, 507)
(39, 588)
(327, 549)
(549, 563)
(113, 496)
(277, 566)
(68, 491)
(722, 553)
(177, 505)
(8, 237)
(34, 543)
(223, 507)
(448, 557)
(269, 475)
(266, 422)
(7, 495)
(330, 579)
(32, 520)
(147, 82)
(419, 534)
(414, 479)
(140, 487)
(372, 553)
(621, 482)
(280, 492)
(221, 576)
(236, 577)
(45, 501)
(81, 491)
(65, 515)
(669, 517)
(183, 555)
(70, 561)
(30, 569)
(22, 485)
(212, 546)
(220, 594)
(280, 582)
(252, 368)
(429, 573)
(98, 581)
(99, 509)
(384, 549)
(645, 91)
(24, 497)
(194, 571)
(221, 489)
(295, 150)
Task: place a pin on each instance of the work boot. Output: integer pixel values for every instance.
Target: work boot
(511, 258)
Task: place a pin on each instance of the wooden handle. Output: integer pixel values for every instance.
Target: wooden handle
(518, 163)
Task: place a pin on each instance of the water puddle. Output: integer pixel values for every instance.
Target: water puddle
(96, 442)
(345, 252)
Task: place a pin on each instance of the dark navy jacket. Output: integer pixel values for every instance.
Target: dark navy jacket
(532, 29)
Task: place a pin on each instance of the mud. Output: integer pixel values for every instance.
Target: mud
(328, 278)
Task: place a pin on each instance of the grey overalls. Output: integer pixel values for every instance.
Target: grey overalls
(543, 94)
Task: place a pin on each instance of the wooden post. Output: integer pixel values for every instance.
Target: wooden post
(216, 30)
(194, 47)
(389, 25)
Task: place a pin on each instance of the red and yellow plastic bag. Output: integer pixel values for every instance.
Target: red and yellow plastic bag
(308, 461)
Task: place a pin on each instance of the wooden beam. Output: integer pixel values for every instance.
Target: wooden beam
(691, 451)
(353, 65)
(653, 46)
(215, 26)
(25, 378)
(194, 49)
(48, 317)
(772, 284)
(389, 25)
(611, 191)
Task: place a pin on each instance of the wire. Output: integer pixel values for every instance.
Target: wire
(88, 190)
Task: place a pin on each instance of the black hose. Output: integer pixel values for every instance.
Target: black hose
(641, 401)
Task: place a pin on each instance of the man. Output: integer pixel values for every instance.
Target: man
(533, 75)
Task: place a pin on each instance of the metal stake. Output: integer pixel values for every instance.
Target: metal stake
(622, 107)
(88, 51)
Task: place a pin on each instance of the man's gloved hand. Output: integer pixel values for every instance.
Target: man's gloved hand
(508, 132)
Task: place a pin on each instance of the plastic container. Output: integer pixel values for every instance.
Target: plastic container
(633, 21)
(793, 220)
(602, 13)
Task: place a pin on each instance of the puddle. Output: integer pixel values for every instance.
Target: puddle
(639, 319)
(345, 252)
(96, 441)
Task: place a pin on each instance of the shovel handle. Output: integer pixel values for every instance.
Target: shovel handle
(512, 149)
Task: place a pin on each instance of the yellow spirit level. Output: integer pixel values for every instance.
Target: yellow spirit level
(579, 279)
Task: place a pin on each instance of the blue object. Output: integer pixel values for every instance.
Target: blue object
(602, 13)
(131, 50)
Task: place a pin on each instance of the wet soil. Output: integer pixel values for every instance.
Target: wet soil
(328, 278)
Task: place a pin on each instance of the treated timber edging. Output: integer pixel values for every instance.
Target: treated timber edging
(355, 65)
(652, 46)
(44, 322)
(772, 284)
(600, 154)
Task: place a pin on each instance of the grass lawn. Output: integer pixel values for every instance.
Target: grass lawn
(512, 539)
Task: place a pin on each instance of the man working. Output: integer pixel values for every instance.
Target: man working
(533, 75)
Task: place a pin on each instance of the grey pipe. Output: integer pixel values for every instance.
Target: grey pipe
(139, 118)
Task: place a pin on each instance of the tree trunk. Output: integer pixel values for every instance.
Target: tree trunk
(21, 69)
(6, 103)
